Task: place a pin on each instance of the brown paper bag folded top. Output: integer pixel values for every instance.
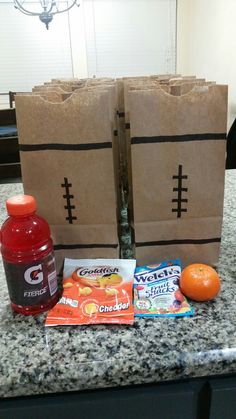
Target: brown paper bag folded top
(50, 88)
(178, 162)
(68, 165)
(52, 96)
(200, 111)
(73, 139)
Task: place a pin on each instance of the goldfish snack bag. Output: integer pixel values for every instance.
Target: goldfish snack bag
(157, 293)
(95, 291)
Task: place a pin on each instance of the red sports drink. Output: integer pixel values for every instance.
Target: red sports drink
(28, 258)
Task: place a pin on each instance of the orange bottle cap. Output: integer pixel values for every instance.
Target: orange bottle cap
(21, 205)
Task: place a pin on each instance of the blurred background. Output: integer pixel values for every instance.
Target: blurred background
(119, 38)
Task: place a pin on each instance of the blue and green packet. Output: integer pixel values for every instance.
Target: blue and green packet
(157, 292)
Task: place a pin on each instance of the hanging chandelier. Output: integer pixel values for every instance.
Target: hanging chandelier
(50, 8)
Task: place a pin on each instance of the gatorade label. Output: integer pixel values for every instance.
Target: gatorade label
(31, 284)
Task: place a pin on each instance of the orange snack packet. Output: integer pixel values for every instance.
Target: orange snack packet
(95, 291)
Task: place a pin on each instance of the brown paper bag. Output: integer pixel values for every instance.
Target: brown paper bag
(123, 86)
(130, 85)
(178, 164)
(67, 164)
(179, 89)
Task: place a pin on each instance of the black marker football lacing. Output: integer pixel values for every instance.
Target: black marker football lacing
(179, 200)
(68, 198)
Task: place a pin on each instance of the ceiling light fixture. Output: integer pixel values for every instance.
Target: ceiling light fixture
(50, 8)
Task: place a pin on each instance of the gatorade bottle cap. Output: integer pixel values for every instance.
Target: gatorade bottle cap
(21, 205)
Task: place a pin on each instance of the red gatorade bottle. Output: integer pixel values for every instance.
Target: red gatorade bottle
(28, 258)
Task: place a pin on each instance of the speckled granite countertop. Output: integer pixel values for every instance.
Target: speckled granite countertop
(36, 360)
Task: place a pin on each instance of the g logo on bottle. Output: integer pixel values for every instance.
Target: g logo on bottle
(34, 275)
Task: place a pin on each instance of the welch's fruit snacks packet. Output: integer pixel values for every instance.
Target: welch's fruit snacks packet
(157, 292)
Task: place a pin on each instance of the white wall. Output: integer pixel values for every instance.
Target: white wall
(31, 54)
(78, 41)
(101, 37)
(206, 43)
(130, 37)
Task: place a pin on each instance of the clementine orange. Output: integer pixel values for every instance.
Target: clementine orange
(200, 282)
